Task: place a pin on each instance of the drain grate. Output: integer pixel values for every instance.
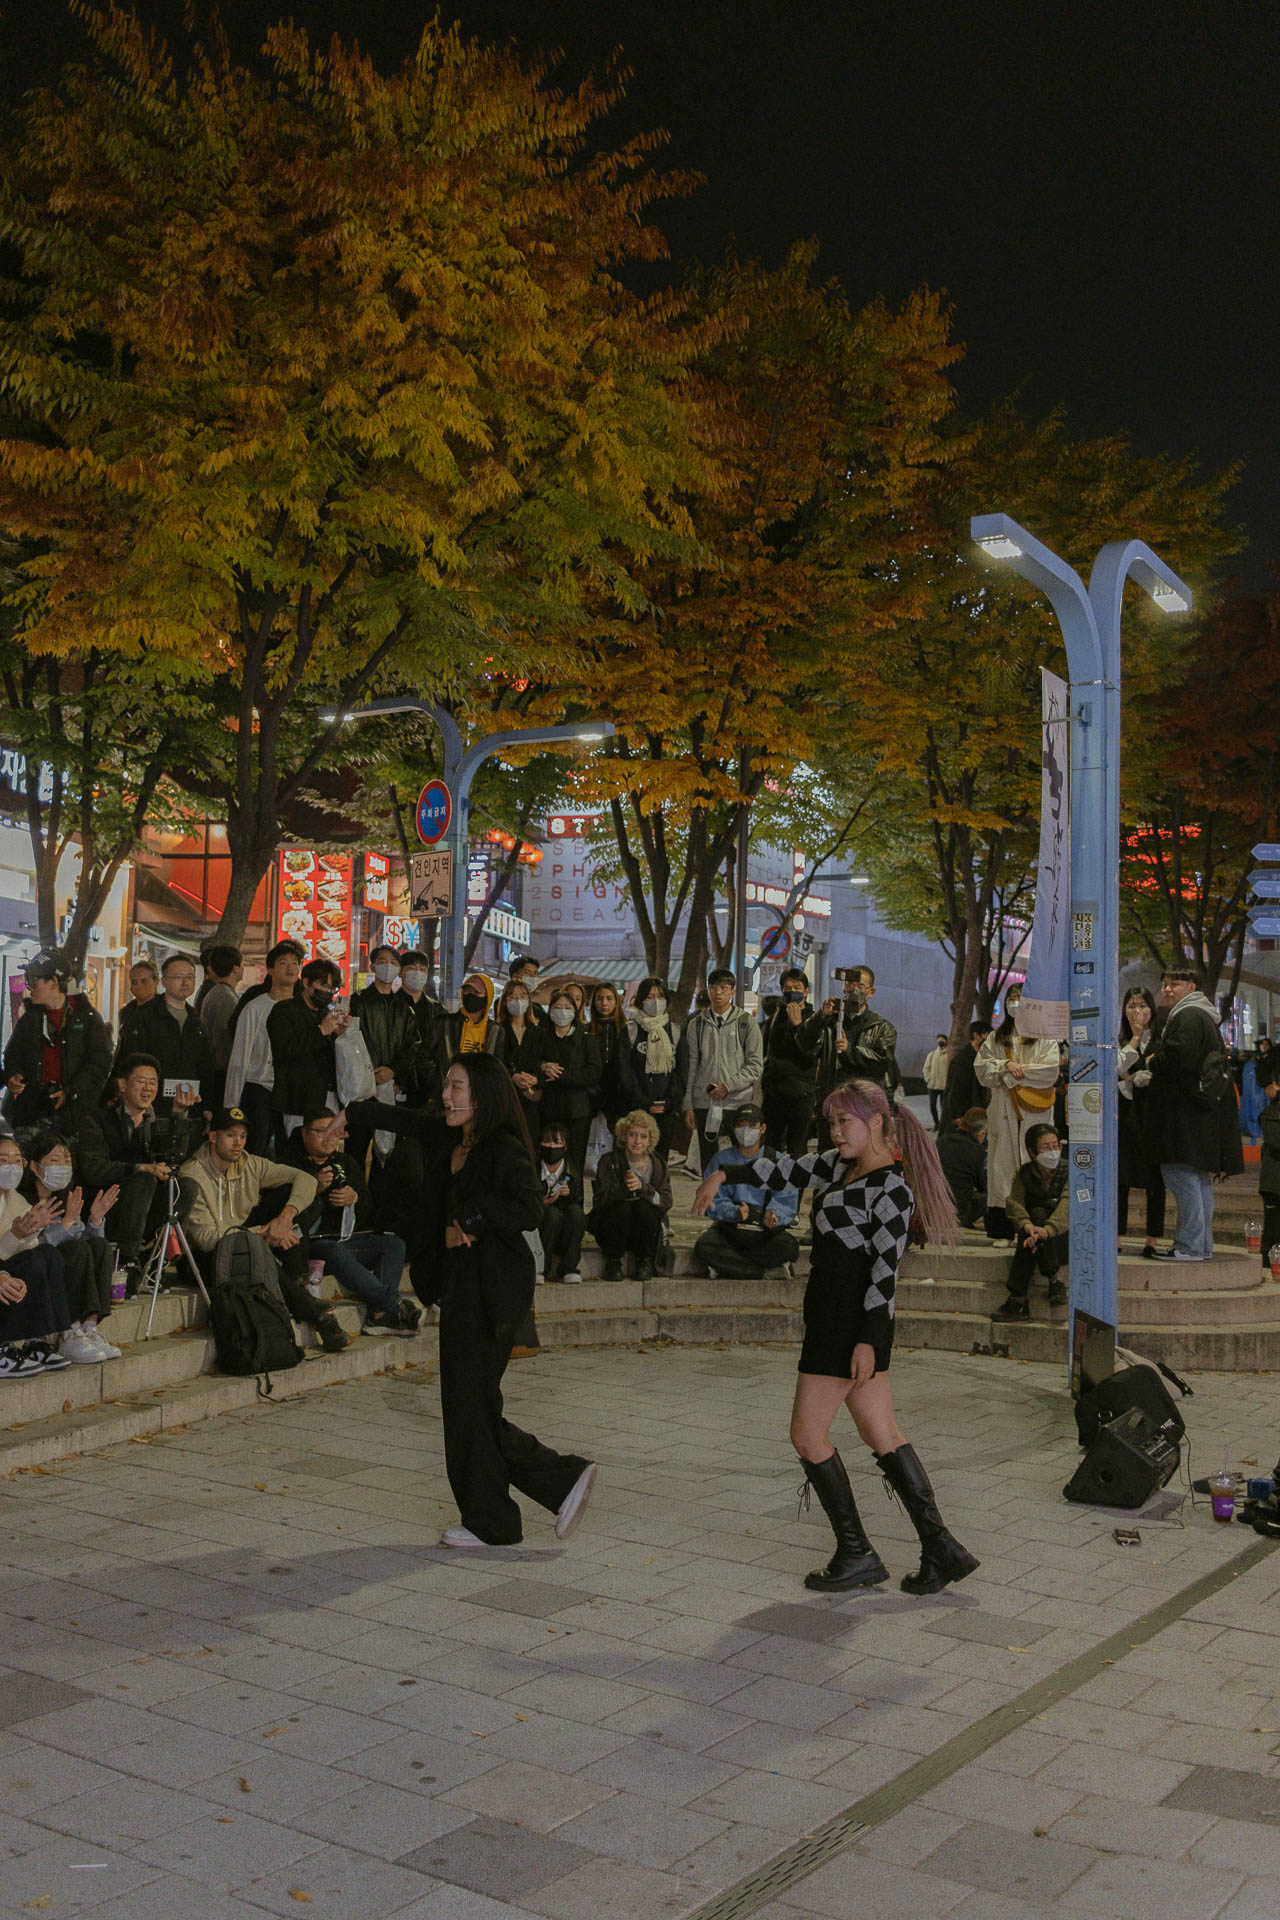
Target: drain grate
(795, 1863)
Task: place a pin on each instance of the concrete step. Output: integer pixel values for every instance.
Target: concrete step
(1230, 1268)
(1219, 1306)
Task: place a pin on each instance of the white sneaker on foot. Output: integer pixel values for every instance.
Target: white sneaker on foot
(574, 1504)
(76, 1346)
(573, 1279)
(461, 1537)
(98, 1340)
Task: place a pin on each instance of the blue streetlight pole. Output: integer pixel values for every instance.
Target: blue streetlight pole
(1090, 623)
(459, 770)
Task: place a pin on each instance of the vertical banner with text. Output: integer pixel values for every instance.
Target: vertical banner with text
(1043, 1013)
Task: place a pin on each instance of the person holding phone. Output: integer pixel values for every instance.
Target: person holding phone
(172, 1032)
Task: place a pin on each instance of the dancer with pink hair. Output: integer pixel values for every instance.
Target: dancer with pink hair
(882, 1170)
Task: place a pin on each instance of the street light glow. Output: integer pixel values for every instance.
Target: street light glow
(1169, 601)
(1000, 547)
(595, 734)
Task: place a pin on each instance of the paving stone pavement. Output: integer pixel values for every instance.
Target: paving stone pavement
(238, 1676)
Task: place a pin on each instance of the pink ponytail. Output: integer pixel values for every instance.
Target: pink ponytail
(921, 1167)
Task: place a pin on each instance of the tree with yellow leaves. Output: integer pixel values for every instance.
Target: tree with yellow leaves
(314, 370)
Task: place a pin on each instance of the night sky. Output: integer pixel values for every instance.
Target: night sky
(1095, 186)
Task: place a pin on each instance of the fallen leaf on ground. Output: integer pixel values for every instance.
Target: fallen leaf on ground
(244, 1785)
(296, 1893)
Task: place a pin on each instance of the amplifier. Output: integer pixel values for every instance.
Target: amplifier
(1131, 1457)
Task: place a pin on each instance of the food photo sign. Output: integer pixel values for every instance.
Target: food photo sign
(313, 896)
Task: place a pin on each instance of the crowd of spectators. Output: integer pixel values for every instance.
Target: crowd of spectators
(280, 1112)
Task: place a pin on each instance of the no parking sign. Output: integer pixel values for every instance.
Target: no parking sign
(433, 813)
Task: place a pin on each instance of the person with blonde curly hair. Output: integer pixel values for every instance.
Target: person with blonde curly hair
(632, 1196)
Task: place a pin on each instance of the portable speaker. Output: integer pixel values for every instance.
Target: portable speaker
(1130, 1458)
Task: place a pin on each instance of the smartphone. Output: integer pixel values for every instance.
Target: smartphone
(172, 1088)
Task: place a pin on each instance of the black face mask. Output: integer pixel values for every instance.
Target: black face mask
(473, 1002)
(321, 996)
(791, 998)
(552, 1151)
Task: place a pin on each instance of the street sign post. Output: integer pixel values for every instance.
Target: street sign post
(1265, 885)
(1266, 926)
(433, 812)
(430, 884)
(1267, 850)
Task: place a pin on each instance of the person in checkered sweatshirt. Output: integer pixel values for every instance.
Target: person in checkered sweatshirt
(881, 1176)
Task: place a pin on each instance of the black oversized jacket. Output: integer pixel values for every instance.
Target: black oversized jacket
(86, 1063)
(109, 1146)
(573, 1094)
(304, 1059)
(389, 1028)
(185, 1051)
(322, 1220)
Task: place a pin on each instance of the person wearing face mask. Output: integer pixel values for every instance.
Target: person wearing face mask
(563, 1219)
(390, 1035)
(1020, 1076)
(77, 1237)
(470, 1030)
(33, 1301)
(749, 1236)
(1039, 1208)
(59, 1053)
(569, 1072)
(425, 1073)
(791, 1038)
(659, 1059)
(303, 1033)
(521, 1047)
(854, 1042)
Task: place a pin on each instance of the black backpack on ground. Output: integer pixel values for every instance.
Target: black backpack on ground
(1140, 1387)
(252, 1328)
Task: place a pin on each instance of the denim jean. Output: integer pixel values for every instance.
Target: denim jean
(368, 1264)
(1192, 1192)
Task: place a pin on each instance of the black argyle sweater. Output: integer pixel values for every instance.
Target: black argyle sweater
(870, 1218)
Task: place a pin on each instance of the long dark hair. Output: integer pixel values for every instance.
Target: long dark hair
(563, 993)
(921, 1167)
(1136, 993)
(495, 1103)
(39, 1145)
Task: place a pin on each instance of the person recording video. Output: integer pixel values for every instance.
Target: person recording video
(854, 1043)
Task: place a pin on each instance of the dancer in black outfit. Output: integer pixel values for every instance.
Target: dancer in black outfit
(492, 1198)
(862, 1214)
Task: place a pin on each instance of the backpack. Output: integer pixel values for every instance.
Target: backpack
(1215, 1079)
(252, 1328)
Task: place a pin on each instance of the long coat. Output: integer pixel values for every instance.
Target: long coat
(1183, 1129)
(1006, 1124)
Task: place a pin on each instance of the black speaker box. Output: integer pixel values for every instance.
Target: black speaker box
(1128, 1461)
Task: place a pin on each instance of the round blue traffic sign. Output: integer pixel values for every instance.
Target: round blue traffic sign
(775, 943)
(433, 813)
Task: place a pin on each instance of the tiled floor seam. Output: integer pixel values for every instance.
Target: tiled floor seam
(796, 1863)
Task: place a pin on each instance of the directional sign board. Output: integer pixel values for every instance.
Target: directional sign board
(1267, 850)
(1266, 926)
(430, 883)
(1265, 885)
(433, 812)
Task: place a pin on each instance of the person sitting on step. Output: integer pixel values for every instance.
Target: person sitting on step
(748, 1237)
(1038, 1208)
(632, 1193)
(563, 1220)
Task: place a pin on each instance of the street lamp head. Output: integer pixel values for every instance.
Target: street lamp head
(998, 546)
(1170, 594)
(595, 733)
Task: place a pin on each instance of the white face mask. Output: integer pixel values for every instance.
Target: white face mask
(747, 1137)
(1048, 1159)
(415, 981)
(56, 1178)
(10, 1174)
(386, 971)
(562, 1016)
(517, 1006)
(654, 1007)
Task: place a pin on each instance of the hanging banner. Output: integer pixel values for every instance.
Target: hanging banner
(1043, 1012)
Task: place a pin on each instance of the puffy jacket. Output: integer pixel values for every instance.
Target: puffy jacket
(1038, 1202)
(1182, 1128)
(185, 1051)
(86, 1063)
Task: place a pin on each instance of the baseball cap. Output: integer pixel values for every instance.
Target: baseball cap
(49, 964)
(227, 1117)
(748, 1113)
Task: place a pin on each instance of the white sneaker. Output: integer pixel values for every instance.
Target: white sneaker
(76, 1346)
(540, 1279)
(461, 1537)
(18, 1363)
(575, 1501)
(573, 1279)
(46, 1358)
(99, 1341)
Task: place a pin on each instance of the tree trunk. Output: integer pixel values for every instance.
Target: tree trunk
(248, 866)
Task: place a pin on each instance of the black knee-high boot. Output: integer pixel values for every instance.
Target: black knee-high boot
(942, 1558)
(855, 1562)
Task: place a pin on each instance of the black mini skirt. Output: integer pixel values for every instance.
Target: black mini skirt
(834, 1322)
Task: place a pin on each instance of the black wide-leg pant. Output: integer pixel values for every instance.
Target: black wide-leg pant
(484, 1454)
